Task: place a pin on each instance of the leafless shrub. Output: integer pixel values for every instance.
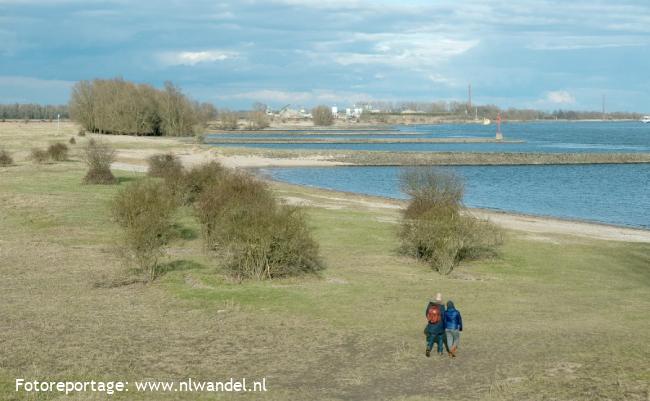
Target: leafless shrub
(228, 120)
(322, 115)
(5, 158)
(258, 120)
(58, 151)
(253, 235)
(436, 227)
(163, 165)
(39, 155)
(143, 210)
(198, 178)
(99, 156)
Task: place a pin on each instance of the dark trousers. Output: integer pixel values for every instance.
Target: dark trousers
(435, 335)
(437, 339)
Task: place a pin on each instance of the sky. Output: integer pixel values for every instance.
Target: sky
(541, 54)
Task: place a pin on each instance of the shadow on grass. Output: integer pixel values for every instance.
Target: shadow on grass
(178, 265)
(186, 233)
(121, 180)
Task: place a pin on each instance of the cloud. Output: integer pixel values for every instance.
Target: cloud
(301, 97)
(441, 80)
(293, 50)
(560, 97)
(404, 50)
(583, 42)
(192, 58)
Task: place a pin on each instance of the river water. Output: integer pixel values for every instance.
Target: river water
(616, 194)
(544, 137)
(613, 194)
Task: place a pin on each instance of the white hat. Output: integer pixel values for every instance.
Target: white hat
(439, 297)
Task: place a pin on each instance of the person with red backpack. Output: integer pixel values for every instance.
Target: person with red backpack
(435, 329)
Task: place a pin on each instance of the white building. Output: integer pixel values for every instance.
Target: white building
(353, 112)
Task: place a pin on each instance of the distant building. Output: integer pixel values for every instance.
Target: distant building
(289, 113)
(335, 111)
(353, 112)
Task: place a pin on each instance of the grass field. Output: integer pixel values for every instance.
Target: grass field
(556, 318)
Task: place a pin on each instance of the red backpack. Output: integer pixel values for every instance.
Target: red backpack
(433, 314)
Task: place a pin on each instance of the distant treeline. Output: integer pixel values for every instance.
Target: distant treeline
(18, 111)
(116, 106)
(462, 110)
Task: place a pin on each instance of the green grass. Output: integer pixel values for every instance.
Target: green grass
(562, 320)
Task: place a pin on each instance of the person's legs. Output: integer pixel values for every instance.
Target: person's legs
(454, 341)
(450, 340)
(439, 340)
(430, 340)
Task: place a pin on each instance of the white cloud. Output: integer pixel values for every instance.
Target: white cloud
(560, 97)
(193, 58)
(441, 80)
(405, 50)
(301, 97)
(584, 42)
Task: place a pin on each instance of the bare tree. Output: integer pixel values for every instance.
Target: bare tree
(120, 107)
(322, 115)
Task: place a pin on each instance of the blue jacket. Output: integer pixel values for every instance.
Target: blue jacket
(453, 320)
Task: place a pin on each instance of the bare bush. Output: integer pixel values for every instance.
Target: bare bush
(253, 235)
(198, 178)
(5, 158)
(163, 165)
(58, 151)
(72, 141)
(143, 210)
(431, 190)
(228, 120)
(39, 155)
(436, 227)
(322, 115)
(258, 120)
(99, 156)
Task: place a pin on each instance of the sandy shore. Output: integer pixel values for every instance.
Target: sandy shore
(549, 225)
(534, 225)
(134, 158)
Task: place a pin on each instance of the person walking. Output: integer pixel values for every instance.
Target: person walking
(453, 326)
(435, 329)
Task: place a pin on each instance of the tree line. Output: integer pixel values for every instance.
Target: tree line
(457, 109)
(116, 106)
(32, 111)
